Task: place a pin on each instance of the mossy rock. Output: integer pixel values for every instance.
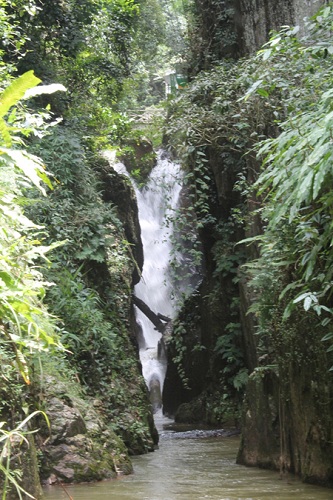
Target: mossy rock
(81, 446)
(210, 408)
(139, 158)
(191, 413)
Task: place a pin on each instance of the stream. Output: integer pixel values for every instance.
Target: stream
(189, 467)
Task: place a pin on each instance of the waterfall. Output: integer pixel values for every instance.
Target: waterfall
(156, 202)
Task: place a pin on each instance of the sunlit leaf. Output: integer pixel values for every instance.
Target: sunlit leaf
(16, 90)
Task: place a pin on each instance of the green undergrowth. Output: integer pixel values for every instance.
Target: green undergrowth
(254, 138)
(137, 146)
(91, 291)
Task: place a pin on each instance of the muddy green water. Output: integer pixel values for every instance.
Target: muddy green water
(193, 469)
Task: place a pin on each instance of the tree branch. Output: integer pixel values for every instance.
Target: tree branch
(156, 319)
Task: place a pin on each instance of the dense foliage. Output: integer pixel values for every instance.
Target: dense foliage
(295, 182)
(27, 328)
(272, 109)
(90, 47)
(254, 137)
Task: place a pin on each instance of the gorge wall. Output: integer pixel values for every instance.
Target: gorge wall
(286, 411)
(254, 19)
(236, 28)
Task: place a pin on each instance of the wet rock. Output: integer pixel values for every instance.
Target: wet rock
(30, 479)
(64, 473)
(191, 412)
(94, 425)
(81, 446)
(260, 443)
(201, 433)
(66, 422)
(118, 190)
(155, 393)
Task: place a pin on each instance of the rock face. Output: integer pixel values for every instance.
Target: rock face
(256, 18)
(80, 446)
(236, 28)
(24, 458)
(260, 438)
(286, 432)
(30, 477)
(193, 397)
(139, 157)
(287, 410)
(119, 191)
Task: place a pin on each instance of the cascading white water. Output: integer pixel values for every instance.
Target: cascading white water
(156, 201)
(155, 204)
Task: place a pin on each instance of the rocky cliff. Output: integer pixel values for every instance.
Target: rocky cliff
(286, 422)
(254, 19)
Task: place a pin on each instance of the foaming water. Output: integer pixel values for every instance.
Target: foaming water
(156, 203)
(193, 469)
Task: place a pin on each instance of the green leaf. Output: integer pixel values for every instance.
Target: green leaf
(263, 92)
(328, 336)
(30, 165)
(16, 90)
(318, 181)
(4, 132)
(307, 303)
(266, 54)
(326, 12)
(252, 89)
(275, 41)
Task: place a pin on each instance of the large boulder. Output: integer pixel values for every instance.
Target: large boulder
(139, 157)
(79, 446)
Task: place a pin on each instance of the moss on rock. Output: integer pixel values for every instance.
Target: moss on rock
(139, 157)
(81, 446)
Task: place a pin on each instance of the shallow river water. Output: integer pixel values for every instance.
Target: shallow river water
(185, 468)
